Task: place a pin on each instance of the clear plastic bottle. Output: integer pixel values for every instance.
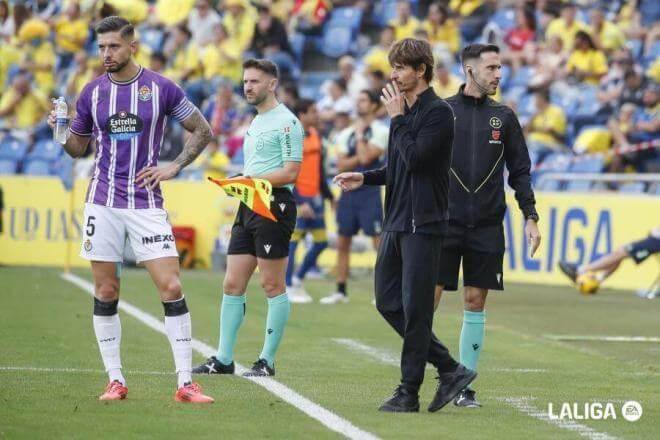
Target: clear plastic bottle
(61, 130)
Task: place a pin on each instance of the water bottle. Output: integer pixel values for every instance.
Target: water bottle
(61, 130)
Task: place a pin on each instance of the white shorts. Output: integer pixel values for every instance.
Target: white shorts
(106, 229)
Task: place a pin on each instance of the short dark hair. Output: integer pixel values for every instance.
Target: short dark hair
(264, 65)
(543, 92)
(415, 53)
(302, 106)
(115, 23)
(374, 98)
(341, 83)
(584, 36)
(474, 51)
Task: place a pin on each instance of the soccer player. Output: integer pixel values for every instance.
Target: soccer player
(125, 111)
(310, 192)
(606, 265)
(415, 179)
(273, 149)
(488, 136)
(361, 148)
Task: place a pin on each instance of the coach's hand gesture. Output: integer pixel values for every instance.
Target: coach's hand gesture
(533, 236)
(392, 99)
(349, 181)
(149, 177)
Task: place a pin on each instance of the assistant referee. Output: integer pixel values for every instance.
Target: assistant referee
(487, 137)
(416, 182)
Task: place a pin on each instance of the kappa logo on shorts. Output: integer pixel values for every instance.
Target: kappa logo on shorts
(499, 278)
(166, 246)
(88, 245)
(267, 248)
(641, 254)
(282, 206)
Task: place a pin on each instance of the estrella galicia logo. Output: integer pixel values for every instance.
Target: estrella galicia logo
(123, 126)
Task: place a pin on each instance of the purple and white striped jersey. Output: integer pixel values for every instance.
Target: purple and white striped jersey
(127, 119)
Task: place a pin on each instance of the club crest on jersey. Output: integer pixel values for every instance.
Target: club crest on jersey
(144, 94)
(123, 126)
(88, 245)
(495, 122)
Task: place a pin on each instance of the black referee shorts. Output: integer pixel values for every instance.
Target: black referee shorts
(255, 235)
(481, 250)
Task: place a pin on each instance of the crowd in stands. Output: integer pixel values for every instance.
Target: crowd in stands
(582, 76)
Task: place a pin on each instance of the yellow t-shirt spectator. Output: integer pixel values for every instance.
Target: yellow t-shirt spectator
(406, 30)
(611, 36)
(213, 163)
(653, 71)
(70, 36)
(43, 55)
(552, 118)
(376, 59)
(567, 33)
(241, 29)
(446, 90)
(447, 33)
(135, 11)
(184, 59)
(28, 112)
(9, 55)
(593, 62)
(222, 60)
(171, 12)
(464, 7)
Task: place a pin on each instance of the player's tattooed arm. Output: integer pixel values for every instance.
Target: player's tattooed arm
(200, 136)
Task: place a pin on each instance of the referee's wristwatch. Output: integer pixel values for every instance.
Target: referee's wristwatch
(534, 217)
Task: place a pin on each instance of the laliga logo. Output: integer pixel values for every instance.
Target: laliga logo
(631, 411)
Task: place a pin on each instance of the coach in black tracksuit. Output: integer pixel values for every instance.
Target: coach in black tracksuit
(487, 138)
(416, 182)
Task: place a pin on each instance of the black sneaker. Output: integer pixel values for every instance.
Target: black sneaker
(450, 385)
(466, 399)
(260, 368)
(213, 366)
(569, 269)
(403, 400)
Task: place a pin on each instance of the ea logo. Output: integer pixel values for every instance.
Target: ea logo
(631, 411)
(495, 122)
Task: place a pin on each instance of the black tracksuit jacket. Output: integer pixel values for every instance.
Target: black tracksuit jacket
(487, 136)
(416, 173)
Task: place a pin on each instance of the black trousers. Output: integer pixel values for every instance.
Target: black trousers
(406, 271)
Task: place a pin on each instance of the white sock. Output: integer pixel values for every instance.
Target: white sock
(108, 336)
(179, 333)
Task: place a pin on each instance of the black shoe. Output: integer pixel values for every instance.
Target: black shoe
(403, 400)
(213, 366)
(569, 269)
(260, 368)
(450, 385)
(466, 399)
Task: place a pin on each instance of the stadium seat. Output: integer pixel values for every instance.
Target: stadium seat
(521, 77)
(504, 19)
(12, 148)
(553, 163)
(310, 83)
(37, 167)
(591, 165)
(46, 149)
(62, 167)
(8, 166)
(345, 17)
(153, 38)
(336, 41)
(632, 187)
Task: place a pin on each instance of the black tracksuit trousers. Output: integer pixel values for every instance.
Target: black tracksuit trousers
(406, 271)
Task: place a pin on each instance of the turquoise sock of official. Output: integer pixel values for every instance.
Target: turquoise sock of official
(278, 315)
(232, 312)
(472, 338)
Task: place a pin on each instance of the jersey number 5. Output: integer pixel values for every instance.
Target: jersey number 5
(90, 226)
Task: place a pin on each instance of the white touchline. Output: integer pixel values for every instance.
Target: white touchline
(390, 358)
(327, 418)
(522, 404)
(603, 338)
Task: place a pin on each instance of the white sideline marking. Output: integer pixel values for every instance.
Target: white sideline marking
(327, 418)
(390, 358)
(603, 338)
(81, 370)
(522, 404)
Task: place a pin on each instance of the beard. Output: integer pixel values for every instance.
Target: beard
(118, 67)
(256, 99)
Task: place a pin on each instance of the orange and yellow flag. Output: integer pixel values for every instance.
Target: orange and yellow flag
(254, 193)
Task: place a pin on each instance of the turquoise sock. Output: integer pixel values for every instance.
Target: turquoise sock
(278, 315)
(232, 311)
(472, 338)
